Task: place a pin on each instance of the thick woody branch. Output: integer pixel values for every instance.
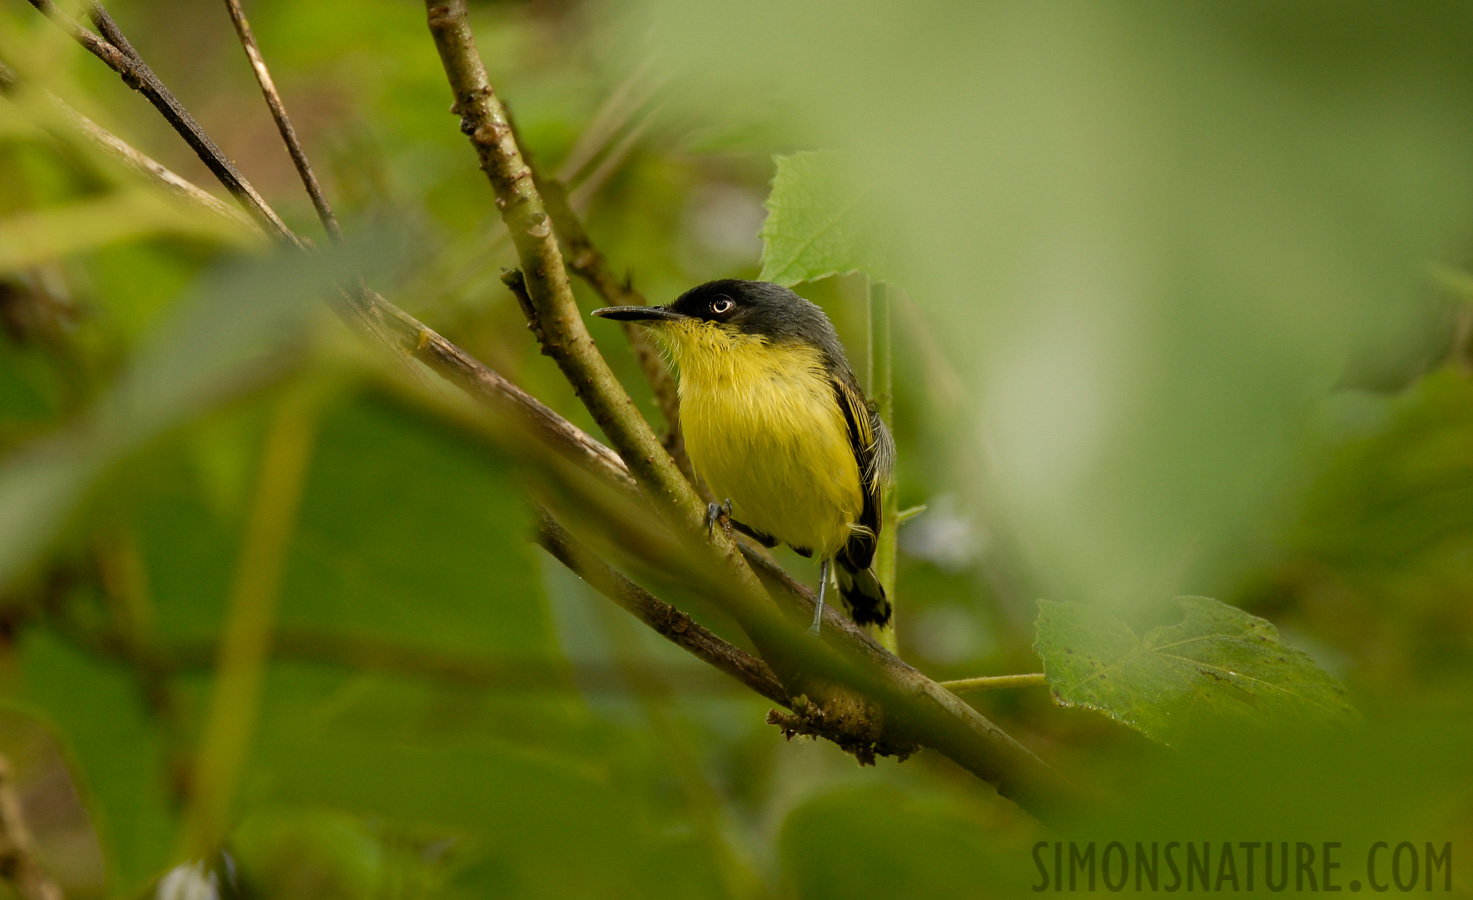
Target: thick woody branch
(484, 120)
(590, 265)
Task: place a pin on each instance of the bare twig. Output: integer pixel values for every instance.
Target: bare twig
(669, 622)
(995, 682)
(283, 124)
(581, 195)
(138, 162)
(113, 48)
(399, 329)
(18, 863)
(880, 388)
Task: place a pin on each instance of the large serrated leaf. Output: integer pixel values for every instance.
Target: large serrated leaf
(1218, 664)
(817, 223)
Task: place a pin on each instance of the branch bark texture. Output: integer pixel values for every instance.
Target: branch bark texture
(484, 120)
(590, 265)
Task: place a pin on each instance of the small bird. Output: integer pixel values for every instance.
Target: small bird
(777, 425)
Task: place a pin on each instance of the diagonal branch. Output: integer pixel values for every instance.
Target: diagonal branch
(484, 120)
(283, 124)
(906, 703)
(590, 265)
(884, 701)
(120, 151)
(669, 622)
(114, 49)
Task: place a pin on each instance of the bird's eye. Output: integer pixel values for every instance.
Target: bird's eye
(721, 305)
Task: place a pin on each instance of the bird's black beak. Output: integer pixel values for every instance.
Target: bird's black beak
(640, 314)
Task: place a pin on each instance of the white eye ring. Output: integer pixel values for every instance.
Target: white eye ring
(721, 305)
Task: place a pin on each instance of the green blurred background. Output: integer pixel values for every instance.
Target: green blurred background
(1185, 311)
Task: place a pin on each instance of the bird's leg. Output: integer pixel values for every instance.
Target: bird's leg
(716, 512)
(823, 583)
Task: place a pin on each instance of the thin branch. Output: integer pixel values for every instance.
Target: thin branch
(113, 48)
(250, 615)
(669, 622)
(403, 331)
(590, 265)
(900, 701)
(131, 158)
(18, 863)
(910, 701)
(881, 386)
(485, 384)
(995, 683)
(283, 124)
(580, 196)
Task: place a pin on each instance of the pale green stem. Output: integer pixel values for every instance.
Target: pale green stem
(995, 683)
(880, 387)
(245, 646)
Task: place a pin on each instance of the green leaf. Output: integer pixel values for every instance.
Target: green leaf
(120, 757)
(240, 325)
(915, 842)
(818, 224)
(1218, 664)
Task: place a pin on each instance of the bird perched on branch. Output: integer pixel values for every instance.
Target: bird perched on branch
(777, 425)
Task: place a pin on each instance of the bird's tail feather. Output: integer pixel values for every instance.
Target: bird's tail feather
(863, 594)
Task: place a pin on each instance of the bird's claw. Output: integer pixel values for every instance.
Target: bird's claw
(718, 512)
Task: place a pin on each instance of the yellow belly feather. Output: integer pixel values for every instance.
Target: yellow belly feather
(763, 429)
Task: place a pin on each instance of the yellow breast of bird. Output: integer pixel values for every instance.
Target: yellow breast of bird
(763, 428)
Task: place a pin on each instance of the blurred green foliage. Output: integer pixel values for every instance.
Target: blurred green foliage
(1173, 328)
(1217, 665)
